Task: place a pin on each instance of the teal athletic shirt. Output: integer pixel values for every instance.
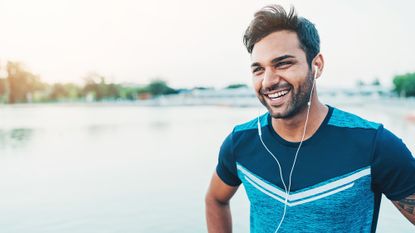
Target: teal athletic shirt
(337, 183)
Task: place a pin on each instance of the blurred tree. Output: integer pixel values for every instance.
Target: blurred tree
(58, 92)
(91, 86)
(67, 91)
(376, 82)
(96, 85)
(127, 92)
(22, 83)
(3, 86)
(4, 89)
(404, 85)
(73, 91)
(235, 86)
(202, 88)
(360, 83)
(113, 91)
(159, 87)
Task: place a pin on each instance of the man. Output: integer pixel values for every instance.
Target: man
(306, 166)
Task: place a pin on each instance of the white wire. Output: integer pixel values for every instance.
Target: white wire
(278, 163)
(287, 190)
(283, 183)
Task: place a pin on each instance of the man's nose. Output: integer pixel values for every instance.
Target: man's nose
(271, 78)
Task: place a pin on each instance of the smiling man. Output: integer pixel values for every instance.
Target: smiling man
(306, 166)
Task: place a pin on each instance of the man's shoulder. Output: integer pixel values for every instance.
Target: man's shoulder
(250, 125)
(344, 119)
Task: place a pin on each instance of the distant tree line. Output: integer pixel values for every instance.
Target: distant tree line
(404, 84)
(18, 85)
(21, 86)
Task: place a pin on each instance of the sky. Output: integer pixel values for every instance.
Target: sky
(197, 43)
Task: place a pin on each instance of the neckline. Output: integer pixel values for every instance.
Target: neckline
(277, 137)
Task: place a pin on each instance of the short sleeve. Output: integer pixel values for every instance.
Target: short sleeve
(393, 167)
(226, 167)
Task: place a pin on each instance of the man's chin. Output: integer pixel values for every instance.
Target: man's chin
(277, 112)
(278, 115)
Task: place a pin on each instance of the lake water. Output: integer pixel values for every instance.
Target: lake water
(109, 168)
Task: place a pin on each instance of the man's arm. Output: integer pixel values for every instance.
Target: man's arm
(407, 207)
(218, 213)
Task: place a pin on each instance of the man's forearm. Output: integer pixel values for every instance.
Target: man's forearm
(218, 217)
(407, 207)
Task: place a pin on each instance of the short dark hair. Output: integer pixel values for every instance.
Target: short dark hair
(274, 18)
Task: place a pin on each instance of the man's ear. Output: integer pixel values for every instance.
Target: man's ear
(318, 63)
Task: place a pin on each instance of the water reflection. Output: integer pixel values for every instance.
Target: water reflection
(15, 138)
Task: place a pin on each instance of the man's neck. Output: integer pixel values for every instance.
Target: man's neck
(292, 129)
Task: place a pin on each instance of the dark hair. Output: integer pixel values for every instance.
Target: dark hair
(274, 18)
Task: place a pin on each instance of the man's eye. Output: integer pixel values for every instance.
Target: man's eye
(256, 70)
(283, 64)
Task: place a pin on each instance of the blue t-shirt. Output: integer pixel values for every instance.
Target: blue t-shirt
(338, 180)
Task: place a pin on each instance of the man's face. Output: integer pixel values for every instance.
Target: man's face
(281, 76)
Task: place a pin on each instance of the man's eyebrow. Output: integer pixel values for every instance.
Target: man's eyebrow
(275, 60)
(255, 64)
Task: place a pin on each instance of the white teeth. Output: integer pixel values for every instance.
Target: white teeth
(277, 94)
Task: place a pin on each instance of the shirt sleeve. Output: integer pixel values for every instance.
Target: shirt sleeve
(393, 167)
(226, 167)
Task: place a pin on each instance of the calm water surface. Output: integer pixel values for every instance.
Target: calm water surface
(86, 169)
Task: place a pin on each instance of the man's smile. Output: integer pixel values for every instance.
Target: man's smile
(277, 94)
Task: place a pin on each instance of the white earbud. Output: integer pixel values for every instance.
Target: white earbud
(315, 71)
